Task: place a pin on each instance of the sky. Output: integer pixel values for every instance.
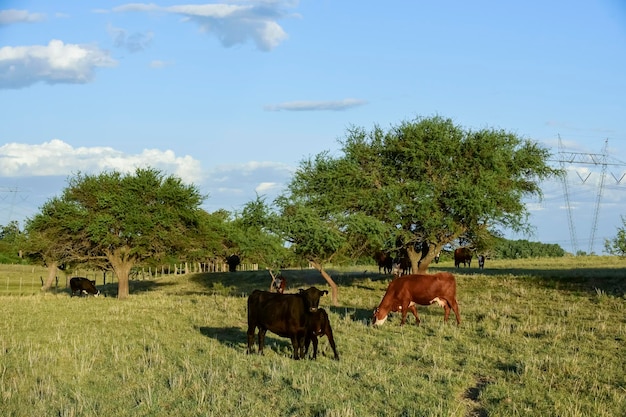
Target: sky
(232, 96)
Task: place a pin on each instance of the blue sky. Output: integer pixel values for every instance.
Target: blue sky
(232, 96)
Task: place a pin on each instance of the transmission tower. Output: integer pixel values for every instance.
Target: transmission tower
(586, 158)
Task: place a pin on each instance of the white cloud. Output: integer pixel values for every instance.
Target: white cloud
(336, 105)
(11, 16)
(54, 63)
(55, 158)
(231, 24)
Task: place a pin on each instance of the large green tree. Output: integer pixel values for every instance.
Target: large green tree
(117, 220)
(427, 181)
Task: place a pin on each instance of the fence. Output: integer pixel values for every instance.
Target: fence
(27, 280)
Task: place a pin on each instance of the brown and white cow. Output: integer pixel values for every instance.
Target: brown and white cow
(282, 314)
(405, 292)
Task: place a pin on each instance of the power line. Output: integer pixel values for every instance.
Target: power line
(586, 158)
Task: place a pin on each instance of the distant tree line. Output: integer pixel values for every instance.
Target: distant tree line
(519, 249)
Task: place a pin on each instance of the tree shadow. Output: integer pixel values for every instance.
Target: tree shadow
(610, 281)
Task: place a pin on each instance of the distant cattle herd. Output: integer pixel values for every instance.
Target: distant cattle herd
(298, 316)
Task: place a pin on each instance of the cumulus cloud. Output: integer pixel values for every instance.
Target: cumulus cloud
(57, 62)
(134, 42)
(230, 23)
(336, 105)
(55, 158)
(11, 16)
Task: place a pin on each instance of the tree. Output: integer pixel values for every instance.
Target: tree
(426, 182)
(617, 245)
(117, 221)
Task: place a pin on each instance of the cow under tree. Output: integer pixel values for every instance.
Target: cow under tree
(83, 286)
(233, 261)
(283, 314)
(404, 293)
(481, 261)
(384, 260)
(318, 324)
(461, 256)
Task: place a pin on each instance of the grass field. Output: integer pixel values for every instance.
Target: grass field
(539, 337)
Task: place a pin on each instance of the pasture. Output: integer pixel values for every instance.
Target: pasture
(538, 337)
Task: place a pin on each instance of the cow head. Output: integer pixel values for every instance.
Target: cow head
(312, 297)
(379, 317)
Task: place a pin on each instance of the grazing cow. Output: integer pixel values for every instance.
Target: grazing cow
(461, 256)
(318, 324)
(481, 261)
(83, 286)
(384, 262)
(283, 314)
(404, 293)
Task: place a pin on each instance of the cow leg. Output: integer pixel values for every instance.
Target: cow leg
(295, 343)
(250, 334)
(413, 309)
(261, 340)
(455, 308)
(315, 341)
(405, 311)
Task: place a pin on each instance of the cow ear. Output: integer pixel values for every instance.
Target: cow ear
(325, 291)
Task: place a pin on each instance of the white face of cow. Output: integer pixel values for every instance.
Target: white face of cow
(379, 319)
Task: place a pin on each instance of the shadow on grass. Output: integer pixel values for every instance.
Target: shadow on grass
(611, 281)
(134, 287)
(237, 338)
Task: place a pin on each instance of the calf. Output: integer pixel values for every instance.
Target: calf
(83, 286)
(481, 261)
(318, 324)
(405, 292)
(279, 284)
(282, 314)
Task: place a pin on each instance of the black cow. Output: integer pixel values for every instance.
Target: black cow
(233, 261)
(384, 262)
(318, 324)
(481, 261)
(283, 314)
(83, 286)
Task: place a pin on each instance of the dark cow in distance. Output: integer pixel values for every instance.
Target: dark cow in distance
(318, 324)
(405, 292)
(461, 256)
(282, 314)
(481, 261)
(384, 261)
(83, 286)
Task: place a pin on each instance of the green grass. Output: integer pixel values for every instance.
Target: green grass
(538, 337)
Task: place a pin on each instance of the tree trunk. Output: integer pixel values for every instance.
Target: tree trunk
(121, 264)
(333, 287)
(423, 264)
(52, 273)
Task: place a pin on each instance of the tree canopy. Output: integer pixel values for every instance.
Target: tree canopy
(423, 181)
(115, 221)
